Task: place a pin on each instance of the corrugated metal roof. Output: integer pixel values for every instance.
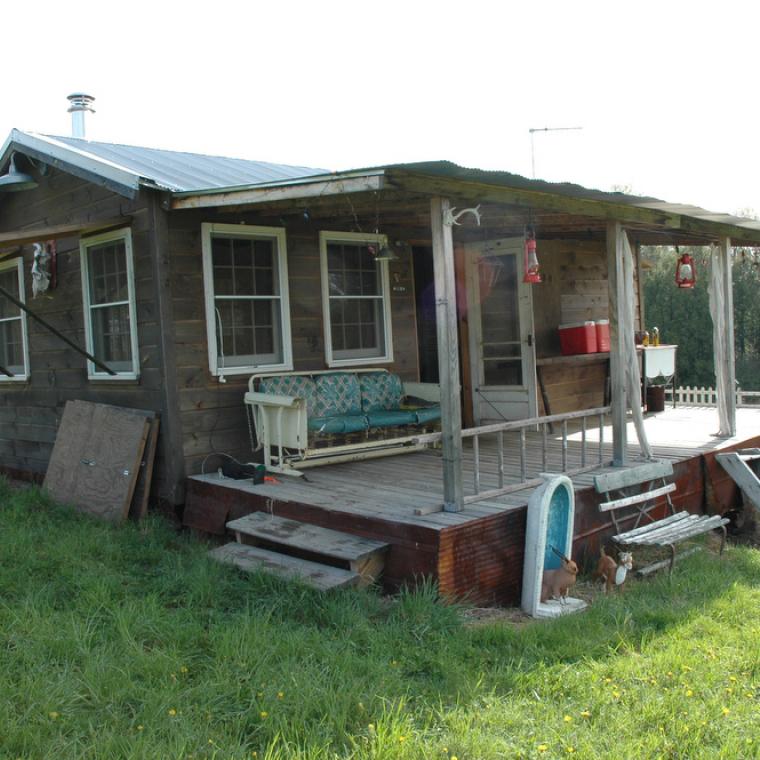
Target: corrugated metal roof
(182, 172)
(449, 170)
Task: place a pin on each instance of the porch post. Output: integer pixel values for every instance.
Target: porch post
(722, 309)
(448, 354)
(615, 284)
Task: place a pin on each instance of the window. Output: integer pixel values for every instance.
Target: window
(245, 277)
(14, 352)
(355, 298)
(109, 304)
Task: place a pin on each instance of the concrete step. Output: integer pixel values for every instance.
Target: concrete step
(254, 558)
(362, 555)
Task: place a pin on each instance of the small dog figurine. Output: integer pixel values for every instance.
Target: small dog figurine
(555, 583)
(612, 573)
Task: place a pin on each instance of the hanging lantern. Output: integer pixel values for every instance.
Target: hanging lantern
(686, 271)
(531, 266)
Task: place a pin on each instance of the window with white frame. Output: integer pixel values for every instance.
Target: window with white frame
(247, 316)
(355, 296)
(110, 320)
(14, 352)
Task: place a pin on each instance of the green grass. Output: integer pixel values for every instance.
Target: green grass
(128, 643)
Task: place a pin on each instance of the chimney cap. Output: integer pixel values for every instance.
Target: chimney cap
(80, 101)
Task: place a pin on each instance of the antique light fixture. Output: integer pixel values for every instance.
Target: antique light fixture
(531, 266)
(15, 180)
(686, 271)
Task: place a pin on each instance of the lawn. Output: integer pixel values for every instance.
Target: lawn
(128, 643)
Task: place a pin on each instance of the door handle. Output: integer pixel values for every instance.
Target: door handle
(530, 339)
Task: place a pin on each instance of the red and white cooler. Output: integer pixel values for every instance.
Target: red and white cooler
(578, 338)
(602, 335)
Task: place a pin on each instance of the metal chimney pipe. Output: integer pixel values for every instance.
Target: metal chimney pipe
(80, 104)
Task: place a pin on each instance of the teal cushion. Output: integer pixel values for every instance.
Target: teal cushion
(428, 414)
(300, 386)
(388, 418)
(341, 423)
(337, 393)
(380, 390)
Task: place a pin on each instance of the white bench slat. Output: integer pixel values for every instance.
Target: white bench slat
(613, 481)
(639, 498)
(686, 526)
(702, 524)
(632, 535)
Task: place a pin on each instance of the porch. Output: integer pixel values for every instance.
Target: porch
(399, 499)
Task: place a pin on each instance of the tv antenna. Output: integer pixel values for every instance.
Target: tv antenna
(533, 131)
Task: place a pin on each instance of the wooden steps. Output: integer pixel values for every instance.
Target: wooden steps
(253, 558)
(361, 560)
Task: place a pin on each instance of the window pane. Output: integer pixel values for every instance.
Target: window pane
(110, 328)
(357, 323)
(251, 332)
(9, 281)
(107, 268)
(11, 349)
(242, 252)
(221, 251)
(502, 372)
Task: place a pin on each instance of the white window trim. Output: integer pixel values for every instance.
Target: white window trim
(93, 372)
(18, 265)
(252, 231)
(326, 237)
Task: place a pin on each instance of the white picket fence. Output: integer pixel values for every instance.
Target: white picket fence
(688, 396)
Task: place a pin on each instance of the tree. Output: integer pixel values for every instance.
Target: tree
(683, 315)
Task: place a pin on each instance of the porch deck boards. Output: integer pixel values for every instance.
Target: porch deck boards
(393, 488)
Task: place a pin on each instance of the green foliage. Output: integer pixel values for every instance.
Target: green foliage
(683, 315)
(129, 643)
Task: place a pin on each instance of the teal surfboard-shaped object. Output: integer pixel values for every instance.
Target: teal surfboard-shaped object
(551, 517)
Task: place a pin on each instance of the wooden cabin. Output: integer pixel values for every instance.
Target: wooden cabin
(175, 277)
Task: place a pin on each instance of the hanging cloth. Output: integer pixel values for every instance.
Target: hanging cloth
(716, 291)
(630, 357)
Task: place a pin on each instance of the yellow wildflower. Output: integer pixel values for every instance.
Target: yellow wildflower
(543, 747)
(53, 714)
(183, 669)
(689, 693)
(140, 728)
(585, 714)
(570, 750)
(568, 719)
(280, 694)
(263, 714)
(726, 711)
(172, 712)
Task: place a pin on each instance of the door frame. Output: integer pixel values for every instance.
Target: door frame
(473, 253)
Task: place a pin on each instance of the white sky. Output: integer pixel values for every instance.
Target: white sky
(666, 92)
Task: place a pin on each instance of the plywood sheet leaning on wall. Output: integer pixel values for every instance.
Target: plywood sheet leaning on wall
(96, 458)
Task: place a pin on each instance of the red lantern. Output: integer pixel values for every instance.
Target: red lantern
(686, 272)
(531, 266)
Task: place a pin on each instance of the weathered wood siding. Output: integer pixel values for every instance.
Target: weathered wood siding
(30, 412)
(212, 414)
(574, 290)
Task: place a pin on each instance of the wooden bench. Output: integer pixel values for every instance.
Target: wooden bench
(636, 492)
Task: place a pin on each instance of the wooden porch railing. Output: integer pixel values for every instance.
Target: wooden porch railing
(689, 396)
(521, 427)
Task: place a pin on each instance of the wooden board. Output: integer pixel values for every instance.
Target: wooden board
(139, 506)
(300, 535)
(96, 459)
(253, 558)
